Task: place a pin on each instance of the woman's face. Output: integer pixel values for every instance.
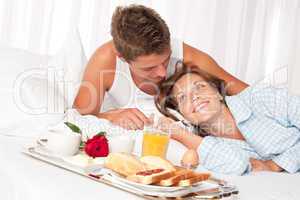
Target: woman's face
(197, 100)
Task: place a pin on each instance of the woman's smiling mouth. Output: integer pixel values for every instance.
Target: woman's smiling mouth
(200, 106)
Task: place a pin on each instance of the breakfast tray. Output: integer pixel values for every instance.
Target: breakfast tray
(211, 189)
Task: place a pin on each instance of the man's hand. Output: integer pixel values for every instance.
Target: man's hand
(264, 165)
(128, 118)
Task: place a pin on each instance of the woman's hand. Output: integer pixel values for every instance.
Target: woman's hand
(170, 126)
(264, 165)
(166, 124)
(178, 133)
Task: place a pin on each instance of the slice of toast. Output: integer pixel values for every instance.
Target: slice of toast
(151, 176)
(194, 179)
(179, 175)
(154, 162)
(124, 164)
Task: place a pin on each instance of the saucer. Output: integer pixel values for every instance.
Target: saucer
(80, 160)
(84, 161)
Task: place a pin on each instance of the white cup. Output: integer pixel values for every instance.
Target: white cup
(60, 143)
(121, 143)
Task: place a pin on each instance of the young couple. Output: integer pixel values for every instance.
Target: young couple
(257, 129)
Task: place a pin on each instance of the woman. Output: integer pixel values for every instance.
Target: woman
(258, 129)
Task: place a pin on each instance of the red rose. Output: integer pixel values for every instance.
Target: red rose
(97, 146)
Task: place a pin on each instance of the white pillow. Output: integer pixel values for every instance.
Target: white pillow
(14, 62)
(34, 95)
(71, 60)
(24, 89)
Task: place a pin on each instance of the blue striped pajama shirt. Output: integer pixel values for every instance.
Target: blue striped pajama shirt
(269, 120)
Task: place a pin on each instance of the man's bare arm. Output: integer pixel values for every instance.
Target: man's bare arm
(98, 78)
(208, 64)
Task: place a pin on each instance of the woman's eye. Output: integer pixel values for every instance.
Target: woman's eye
(149, 69)
(199, 85)
(181, 98)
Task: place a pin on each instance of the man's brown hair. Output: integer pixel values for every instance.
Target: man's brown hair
(138, 30)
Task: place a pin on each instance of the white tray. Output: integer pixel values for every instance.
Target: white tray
(105, 176)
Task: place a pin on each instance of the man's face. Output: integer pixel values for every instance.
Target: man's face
(152, 68)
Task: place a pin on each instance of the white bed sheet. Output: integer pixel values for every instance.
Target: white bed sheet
(24, 178)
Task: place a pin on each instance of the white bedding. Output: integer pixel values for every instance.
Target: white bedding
(28, 179)
(24, 178)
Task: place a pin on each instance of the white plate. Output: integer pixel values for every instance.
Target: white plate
(45, 152)
(84, 161)
(157, 188)
(79, 160)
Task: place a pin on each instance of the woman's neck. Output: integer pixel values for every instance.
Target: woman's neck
(223, 125)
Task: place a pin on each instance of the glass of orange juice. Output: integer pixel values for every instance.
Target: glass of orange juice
(155, 143)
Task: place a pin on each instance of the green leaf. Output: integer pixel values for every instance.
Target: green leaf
(82, 144)
(101, 133)
(73, 127)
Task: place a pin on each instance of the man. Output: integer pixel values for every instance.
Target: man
(141, 51)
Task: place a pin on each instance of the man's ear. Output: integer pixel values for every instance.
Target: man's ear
(118, 54)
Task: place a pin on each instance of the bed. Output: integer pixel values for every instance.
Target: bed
(24, 178)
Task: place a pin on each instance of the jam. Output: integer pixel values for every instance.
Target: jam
(149, 172)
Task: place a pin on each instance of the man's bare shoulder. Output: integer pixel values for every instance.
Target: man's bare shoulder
(102, 64)
(194, 56)
(205, 62)
(189, 54)
(104, 57)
